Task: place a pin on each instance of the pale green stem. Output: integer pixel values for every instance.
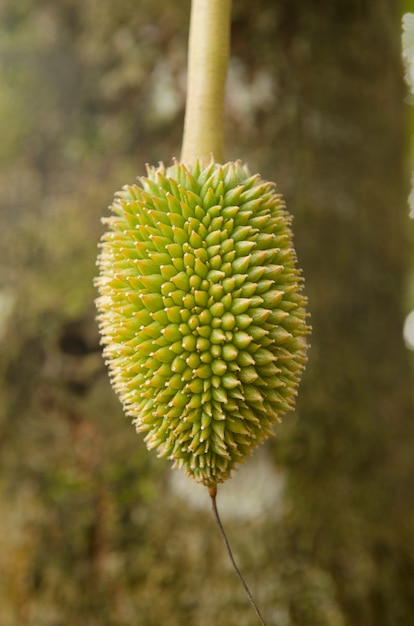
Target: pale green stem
(208, 54)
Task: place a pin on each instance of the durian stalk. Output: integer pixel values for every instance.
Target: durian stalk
(213, 495)
(209, 44)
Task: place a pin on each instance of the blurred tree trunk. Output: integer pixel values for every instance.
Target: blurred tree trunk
(337, 142)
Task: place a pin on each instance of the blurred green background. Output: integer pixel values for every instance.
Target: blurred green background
(94, 530)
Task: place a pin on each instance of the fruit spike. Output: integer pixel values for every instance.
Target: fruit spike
(201, 312)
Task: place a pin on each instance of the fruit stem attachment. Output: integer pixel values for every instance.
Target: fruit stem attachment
(208, 53)
(213, 493)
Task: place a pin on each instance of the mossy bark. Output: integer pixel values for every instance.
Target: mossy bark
(349, 452)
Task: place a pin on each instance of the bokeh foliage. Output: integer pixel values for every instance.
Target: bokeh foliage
(91, 530)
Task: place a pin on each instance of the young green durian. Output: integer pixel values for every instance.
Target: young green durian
(201, 308)
(202, 313)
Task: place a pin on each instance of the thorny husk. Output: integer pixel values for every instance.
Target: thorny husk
(202, 313)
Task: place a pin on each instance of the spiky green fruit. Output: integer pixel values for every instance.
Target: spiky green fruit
(201, 312)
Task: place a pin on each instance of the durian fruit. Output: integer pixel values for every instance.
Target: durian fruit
(202, 313)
